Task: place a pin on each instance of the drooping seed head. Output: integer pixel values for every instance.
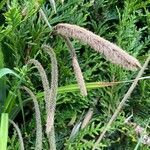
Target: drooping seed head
(76, 67)
(111, 51)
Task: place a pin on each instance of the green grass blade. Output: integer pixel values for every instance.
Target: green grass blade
(4, 131)
(2, 81)
(89, 86)
(10, 101)
(2, 91)
(1, 58)
(75, 87)
(5, 71)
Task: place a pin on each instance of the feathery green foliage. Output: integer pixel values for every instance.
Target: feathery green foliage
(23, 30)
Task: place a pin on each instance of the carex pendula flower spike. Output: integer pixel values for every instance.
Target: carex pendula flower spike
(111, 51)
(19, 134)
(38, 145)
(76, 67)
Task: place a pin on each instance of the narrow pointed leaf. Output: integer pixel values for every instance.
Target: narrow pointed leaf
(4, 131)
(5, 71)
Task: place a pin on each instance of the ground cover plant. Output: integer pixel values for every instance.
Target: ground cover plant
(64, 84)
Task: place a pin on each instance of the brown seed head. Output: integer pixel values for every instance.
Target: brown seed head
(111, 51)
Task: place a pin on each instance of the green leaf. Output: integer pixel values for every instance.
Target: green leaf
(2, 82)
(6, 71)
(89, 86)
(4, 131)
(3, 72)
(75, 87)
(1, 58)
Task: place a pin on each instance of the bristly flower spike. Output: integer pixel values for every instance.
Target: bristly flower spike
(76, 67)
(111, 51)
(19, 134)
(38, 145)
(52, 97)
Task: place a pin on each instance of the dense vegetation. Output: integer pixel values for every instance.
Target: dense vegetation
(27, 25)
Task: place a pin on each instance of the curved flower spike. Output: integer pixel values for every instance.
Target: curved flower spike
(111, 51)
(76, 67)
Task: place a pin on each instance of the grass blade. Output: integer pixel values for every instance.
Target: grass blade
(75, 87)
(89, 86)
(2, 81)
(4, 131)
(5, 71)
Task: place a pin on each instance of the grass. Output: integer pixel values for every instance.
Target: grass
(76, 122)
(4, 131)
